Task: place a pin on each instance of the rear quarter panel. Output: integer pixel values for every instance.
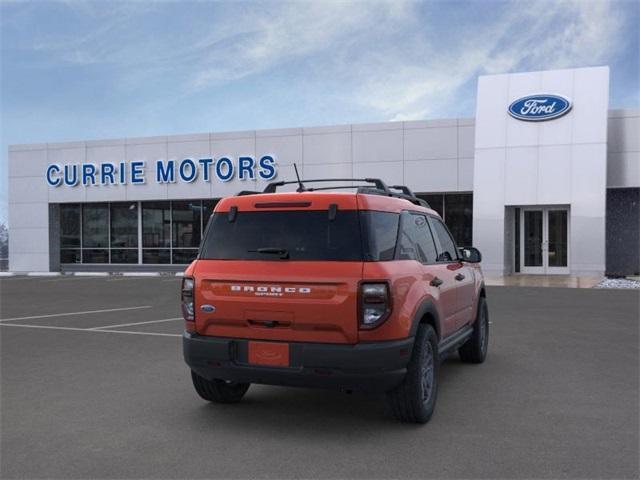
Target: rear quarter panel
(409, 289)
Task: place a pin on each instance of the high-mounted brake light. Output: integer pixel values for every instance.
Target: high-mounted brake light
(375, 304)
(187, 299)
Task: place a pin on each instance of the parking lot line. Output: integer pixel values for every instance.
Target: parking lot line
(75, 313)
(18, 279)
(68, 278)
(125, 279)
(136, 323)
(74, 329)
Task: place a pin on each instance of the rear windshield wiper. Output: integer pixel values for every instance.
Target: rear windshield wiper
(283, 252)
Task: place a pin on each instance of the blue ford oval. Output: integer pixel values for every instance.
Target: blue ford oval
(536, 108)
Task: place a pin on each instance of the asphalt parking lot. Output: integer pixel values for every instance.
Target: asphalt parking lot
(94, 386)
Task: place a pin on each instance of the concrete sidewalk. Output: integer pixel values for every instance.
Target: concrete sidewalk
(558, 281)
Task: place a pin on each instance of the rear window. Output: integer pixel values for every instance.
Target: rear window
(301, 235)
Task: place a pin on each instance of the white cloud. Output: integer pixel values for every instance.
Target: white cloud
(391, 57)
(294, 30)
(529, 36)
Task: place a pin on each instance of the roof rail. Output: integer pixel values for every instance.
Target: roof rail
(375, 187)
(403, 188)
(379, 184)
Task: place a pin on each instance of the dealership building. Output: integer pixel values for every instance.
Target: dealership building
(544, 180)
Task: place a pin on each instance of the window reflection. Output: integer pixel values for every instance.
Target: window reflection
(157, 255)
(95, 225)
(456, 209)
(186, 218)
(156, 224)
(124, 225)
(69, 226)
(129, 255)
(108, 232)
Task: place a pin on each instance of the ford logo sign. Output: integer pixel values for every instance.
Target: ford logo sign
(536, 108)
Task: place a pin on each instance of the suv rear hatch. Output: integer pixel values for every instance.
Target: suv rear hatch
(281, 267)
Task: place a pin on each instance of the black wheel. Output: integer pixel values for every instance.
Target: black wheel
(219, 391)
(474, 350)
(414, 400)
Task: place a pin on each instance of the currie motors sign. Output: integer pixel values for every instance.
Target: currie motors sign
(188, 170)
(537, 108)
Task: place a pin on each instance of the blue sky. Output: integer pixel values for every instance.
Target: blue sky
(81, 70)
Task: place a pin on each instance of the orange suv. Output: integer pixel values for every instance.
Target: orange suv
(360, 290)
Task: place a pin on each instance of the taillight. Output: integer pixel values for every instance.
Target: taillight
(187, 299)
(375, 304)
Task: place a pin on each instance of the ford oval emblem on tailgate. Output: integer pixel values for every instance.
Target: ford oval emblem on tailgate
(208, 308)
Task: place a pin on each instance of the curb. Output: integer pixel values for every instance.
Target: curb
(140, 274)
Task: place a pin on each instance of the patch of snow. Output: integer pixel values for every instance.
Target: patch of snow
(625, 283)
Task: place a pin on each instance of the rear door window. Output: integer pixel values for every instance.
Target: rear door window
(303, 235)
(416, 241)
(447, 251)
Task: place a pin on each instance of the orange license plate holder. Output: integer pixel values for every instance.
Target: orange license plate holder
(269, 354)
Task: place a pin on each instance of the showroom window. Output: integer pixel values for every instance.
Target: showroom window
(133, 232)
(70, 238)
(456, 209)
(95, 233)
(186, 218)
(124, 232)
(156, 232)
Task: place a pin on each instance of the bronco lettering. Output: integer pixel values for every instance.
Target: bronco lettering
(269, 289)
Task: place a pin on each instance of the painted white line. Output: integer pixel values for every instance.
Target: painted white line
(48, 327)
(70, 278)
(120, 278)
(17, 278)
(75, 313)
(136, 323)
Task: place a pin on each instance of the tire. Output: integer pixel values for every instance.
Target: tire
(475, 349)
(414, 400)
(219, 391)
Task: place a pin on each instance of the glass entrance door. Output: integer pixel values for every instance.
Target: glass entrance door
(533, 241)
(544, 240)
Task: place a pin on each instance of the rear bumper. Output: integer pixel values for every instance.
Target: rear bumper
(368, 367)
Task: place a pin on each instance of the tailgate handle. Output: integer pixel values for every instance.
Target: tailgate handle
(269, 323)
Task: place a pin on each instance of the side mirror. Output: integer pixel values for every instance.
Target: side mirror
(470, 254)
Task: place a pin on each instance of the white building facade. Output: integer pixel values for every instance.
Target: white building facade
(545, 179)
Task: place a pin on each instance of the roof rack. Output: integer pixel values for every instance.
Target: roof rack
(379, 184)
(243, 193)
(376, 187)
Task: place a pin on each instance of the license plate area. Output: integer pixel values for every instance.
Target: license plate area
(269, 354)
